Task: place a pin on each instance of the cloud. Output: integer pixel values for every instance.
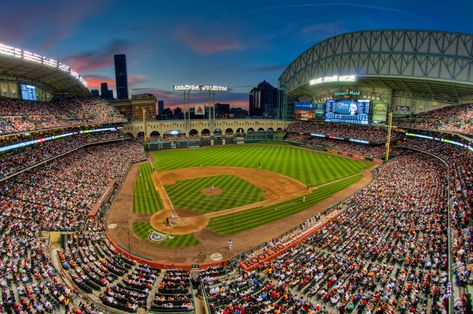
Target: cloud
(266, 69)
(322, 27)
(206, 44)
(136, 79)
(337, 4)
(172, 98)
(94, 80)
(97, 59)
(48, 21)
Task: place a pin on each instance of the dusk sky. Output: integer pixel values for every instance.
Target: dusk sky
(233, 43)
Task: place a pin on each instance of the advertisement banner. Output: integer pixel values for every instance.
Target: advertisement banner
(305, 115)
(199, 110)
(304, 105)
(380, 111)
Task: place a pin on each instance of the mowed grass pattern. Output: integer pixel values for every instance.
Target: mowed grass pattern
(236, 192)
(141, 229)
(146, 200)
(234, 223)
(311, 168)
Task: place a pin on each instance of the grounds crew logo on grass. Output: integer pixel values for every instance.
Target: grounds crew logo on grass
(155, 236)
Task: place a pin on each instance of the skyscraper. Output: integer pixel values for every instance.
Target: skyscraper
(265, 100)
(121, 77)
(161, 109)
(104, 90)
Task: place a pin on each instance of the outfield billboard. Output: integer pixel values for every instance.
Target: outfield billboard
(304, 110)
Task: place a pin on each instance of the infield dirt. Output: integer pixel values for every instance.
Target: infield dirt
(276, 188)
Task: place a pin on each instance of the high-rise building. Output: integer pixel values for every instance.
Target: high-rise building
(265, 100)
(104, 90)
(121, 77)
(221, 110)
(105, 93)
(161, 109)
(109, 94)
(178, 114)
(95, 93)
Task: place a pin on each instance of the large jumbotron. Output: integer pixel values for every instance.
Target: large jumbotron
(362, 202)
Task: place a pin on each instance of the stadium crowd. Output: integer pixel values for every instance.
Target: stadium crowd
(371, 134)
(19, 159)
(450, 119)
(21, 115)
(387, 252)
(58, 195)
(55, 196)
(460, 163)
(341, 146)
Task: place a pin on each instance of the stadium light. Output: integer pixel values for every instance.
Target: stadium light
(189, 87)
(333, 78)
(17, 53)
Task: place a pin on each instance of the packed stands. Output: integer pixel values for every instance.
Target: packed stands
(118, 282)
(343, 146)
(94, 266)
(20, 159)
(22, 116)
(449, 119)
(370, 134)
(386, 252)
(59, 194)
(460, 163)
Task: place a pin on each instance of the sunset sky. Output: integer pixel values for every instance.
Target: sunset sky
(233, 43)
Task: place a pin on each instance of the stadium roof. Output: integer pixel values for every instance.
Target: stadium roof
(53, 76)
(424, 64)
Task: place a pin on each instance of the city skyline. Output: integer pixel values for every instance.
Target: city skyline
(238, 44)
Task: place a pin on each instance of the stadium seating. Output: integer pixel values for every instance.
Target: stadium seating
(20, 159)
(385, 253)
(371, 134)
(450, 119)
(21, 116)
(59, 194)
(352, 148)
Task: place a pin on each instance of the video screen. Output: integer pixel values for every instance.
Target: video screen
(304, 111)
(347, 111)
(28, 92)
(304, 115)
(320, 110)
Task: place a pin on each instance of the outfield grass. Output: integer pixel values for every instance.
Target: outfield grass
(141, 229)
(146, 200)
(311, 168)
(234, 223)
(186, 194)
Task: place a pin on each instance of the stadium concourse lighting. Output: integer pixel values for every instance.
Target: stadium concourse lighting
(333, 78)
(17, 53)
(188, 87)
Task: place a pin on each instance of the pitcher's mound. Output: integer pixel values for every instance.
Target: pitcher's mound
(211, 192)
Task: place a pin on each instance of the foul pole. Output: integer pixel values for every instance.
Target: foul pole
(388, 141)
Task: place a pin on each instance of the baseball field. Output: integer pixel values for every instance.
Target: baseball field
(309, 167)
(224, 191)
